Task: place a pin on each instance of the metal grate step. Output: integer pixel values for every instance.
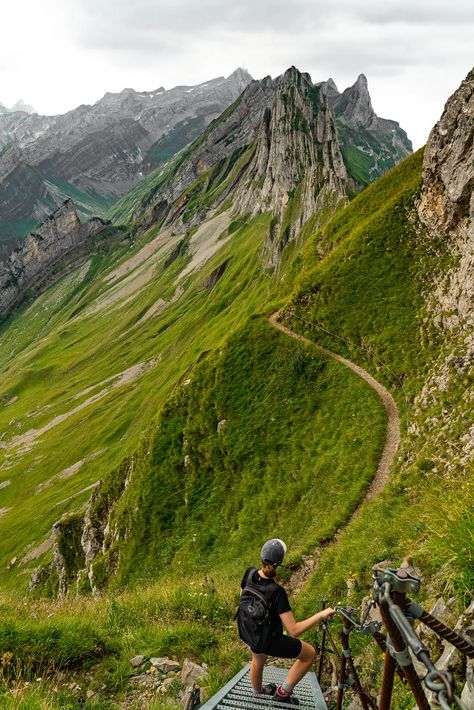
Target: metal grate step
(237, 694)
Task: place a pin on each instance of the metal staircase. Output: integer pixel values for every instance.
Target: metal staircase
(237, 694)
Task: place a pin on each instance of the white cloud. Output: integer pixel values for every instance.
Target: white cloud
(57, 54)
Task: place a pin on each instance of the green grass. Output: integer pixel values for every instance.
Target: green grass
(365, 280)
(300, 444)
(50, 352)
(45, 648)
(363, 276)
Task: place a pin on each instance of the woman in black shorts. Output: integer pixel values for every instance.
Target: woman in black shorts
(282, 646)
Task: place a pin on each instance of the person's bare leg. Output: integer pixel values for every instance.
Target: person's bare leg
(256, 670)
(302, 664)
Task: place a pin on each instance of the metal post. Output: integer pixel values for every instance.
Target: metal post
(341, 684)
(365, 700)
(399, 647)
(380, 641)
(387, 681)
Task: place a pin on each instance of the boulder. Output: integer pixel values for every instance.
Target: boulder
(467, 695)
(137, 661)
(165, 664)
(192, 672)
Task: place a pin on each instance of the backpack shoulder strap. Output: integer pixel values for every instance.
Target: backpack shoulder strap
(264, 593)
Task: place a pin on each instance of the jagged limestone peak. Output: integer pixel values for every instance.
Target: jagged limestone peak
(330, 89)
(354, 105)
(296, 158)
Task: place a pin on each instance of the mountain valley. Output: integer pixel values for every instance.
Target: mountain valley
(149, 408)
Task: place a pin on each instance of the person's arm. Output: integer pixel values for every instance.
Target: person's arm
(296, 628)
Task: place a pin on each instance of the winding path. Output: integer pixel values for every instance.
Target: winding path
(392, 441)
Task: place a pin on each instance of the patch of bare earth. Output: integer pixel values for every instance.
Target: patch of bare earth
(37, 551)
(24, 442)
(130, 277)
(140, 257)
(160, 305)
(205, 243)
(75, 495)
(68, 472)
(392, 441)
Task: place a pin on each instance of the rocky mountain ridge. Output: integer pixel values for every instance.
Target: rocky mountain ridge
(297, 165)
(295, 145)
(54, 247)
(96, 153)
(275, 149)
(19, 105)
(380, 142)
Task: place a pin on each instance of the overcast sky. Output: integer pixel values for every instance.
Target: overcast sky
(57, 54)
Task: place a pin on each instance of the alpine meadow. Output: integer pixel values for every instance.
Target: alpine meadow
(253, 322)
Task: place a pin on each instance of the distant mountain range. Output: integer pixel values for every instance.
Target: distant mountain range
(19, 105)
(287, 146)
(95, 154)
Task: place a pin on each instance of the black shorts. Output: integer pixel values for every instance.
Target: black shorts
(282, 647)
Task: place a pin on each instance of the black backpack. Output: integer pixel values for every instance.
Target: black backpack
(253, 614)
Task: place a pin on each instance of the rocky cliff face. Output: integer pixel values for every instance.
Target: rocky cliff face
(294, 157)
(59, 240)
(232, 132)
(446, 208)
(370, 145)
(447, 204)
(97, 153)
(297, 166)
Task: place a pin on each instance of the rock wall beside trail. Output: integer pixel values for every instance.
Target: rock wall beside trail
(447, 203)
(59, 239)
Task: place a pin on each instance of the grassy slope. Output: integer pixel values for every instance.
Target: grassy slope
(364, 279)
(370, 289)
(300, 443)
(50, 352)
(291, 415)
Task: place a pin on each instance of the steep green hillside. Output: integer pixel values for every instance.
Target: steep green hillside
(363, 292)
(267, 436)
(262, 424)
(87, 365)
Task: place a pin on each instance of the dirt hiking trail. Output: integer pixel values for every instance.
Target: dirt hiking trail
(392, 441)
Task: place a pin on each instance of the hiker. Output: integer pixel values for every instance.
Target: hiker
(263, 611)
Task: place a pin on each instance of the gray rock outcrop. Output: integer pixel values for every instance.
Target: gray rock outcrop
(60, 239)
(297, 156)
(354, 105)
(447, 203)
(97, 153)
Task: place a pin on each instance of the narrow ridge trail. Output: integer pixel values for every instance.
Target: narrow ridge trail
(392, 441)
